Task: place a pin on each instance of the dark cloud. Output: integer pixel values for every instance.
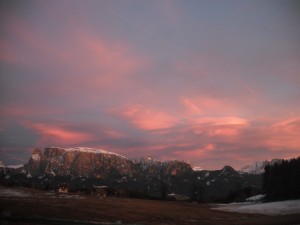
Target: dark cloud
(17, 136)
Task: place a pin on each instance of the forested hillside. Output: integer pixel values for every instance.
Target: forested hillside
(282, 180)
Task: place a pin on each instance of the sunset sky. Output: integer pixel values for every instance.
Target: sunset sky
(210, 82)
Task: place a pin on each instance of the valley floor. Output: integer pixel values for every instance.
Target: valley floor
(26, 206)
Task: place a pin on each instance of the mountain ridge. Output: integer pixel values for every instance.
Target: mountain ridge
(84, 168)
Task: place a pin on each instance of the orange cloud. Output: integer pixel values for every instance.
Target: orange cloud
(148, 119)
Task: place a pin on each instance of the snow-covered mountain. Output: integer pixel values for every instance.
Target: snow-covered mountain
(258, 167)
(2, 164)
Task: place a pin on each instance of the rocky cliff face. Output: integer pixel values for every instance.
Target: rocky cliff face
(33, 166)
(160, 169)
(160, 178)
(78, 162)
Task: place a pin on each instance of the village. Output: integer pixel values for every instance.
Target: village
(102, 192)
(97, 191)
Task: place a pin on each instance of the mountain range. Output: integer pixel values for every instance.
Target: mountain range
(82, 168)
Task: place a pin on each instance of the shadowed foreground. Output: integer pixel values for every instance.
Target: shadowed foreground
(35, 207)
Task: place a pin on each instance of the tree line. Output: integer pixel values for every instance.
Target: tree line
(281, 181)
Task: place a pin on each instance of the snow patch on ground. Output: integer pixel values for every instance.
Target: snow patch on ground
(55, 195)
(255, 198)
(13, 193)
(52, 173)
(269, 208)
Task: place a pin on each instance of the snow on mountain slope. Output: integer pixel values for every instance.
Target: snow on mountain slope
(270, 208)
(15, 166)
(2, 164)
(197, 168)
(91, 150)
(258, 167)
(255, 168)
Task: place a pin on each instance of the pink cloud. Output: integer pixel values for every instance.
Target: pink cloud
(257, 140)
(105, 63)
(284, 134)
(224, 131)
(203, 105)
(191, 106)
(26, 111)
(215, 121)
(239, 140)
(6, 52)
(113, 133)
(148, 119)
(29, 47)
(227, 128)
(85, 59)
(58, 135)
(195, 153)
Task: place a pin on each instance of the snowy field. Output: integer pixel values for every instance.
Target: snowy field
(270, 208)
